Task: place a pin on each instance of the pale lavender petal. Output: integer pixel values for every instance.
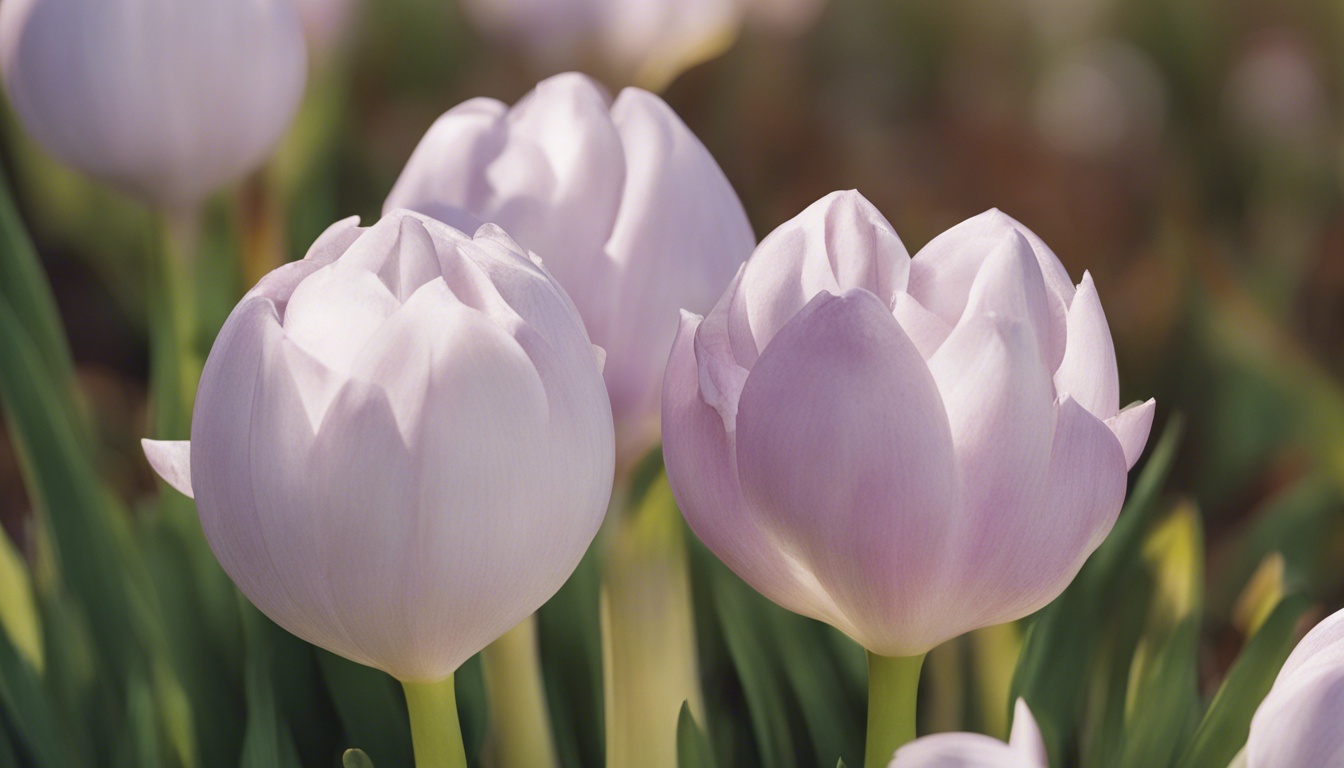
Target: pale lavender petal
(942, 273)
(860, 489)
(446, 172)
(925, 329)
(1298, 724)
(961, 750)
(999, 401)
(702, 470)
(838, 243)
(1131, 427)
(1026, 735)
(680, 237)
(1013, 564)
(1088, 372)
(171, 459)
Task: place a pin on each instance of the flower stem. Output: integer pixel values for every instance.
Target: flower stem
(893, 688)
(435, 731)
(520, 724)
(175, 366)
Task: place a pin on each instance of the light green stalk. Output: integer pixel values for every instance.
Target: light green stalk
(893, 689)
(435, 731)
(520, 724)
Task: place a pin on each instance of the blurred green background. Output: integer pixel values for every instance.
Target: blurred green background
(1189, 153)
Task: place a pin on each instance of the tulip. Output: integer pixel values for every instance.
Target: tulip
(622, 202)
(635, 219)
(401, 447)
(1297, 725)
(1025, 748)
(167, 101)
(907, 449)
(649, 42)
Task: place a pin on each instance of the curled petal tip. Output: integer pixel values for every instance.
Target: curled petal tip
(171, 460)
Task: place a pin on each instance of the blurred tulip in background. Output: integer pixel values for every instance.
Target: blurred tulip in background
(167, 102)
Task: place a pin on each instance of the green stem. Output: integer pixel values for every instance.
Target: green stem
(520, 725)
(893, 688)
(175, 366)
(435, 731)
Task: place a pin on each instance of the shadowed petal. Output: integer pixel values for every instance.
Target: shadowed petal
(171, 459)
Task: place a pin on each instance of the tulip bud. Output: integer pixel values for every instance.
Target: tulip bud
(1025, 748)
(401, 445)
(1297, 725)
(167, 101)
(624, 204)
(907, 449)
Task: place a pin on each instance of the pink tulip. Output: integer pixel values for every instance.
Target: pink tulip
(1298, 723)
(401, 445)
(622, 202)
(907, 449)
(1024, 749)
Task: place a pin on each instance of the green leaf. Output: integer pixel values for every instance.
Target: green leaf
(692, 747)
(355, 758)
(371, 708)
(1228, 721)
(18, 608)
(267, 742)
(28, 710)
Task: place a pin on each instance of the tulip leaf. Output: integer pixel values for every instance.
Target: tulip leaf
(355, 758)
(692, 747)
(18, 608)
(1228, 721)
(267, 742)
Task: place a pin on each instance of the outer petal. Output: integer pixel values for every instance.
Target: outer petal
(942, 273)
(960, 750)
(1018, 560)
(498, 523)
(1000, 404)
(171, 459)
(446, 172)
(1131, 427)
(1088, 372)
(845, 455)
(680, 237)
(702, 470)
(1297, 725)
(838, 243)
(1026, 735)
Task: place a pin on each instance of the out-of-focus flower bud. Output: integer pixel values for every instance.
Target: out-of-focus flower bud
(401, 445)
(622, 202)
(1025, 748)
(647, 42)
(907, 449)
(1297, 725)
(167, 101)
(326, 22)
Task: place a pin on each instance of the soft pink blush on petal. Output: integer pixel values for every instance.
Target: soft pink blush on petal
(702, 470)
(844, 452)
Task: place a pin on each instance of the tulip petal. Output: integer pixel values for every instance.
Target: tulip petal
(1017, 563)
(1297, 725)
(845, 455)
(999, 397)
(171, 459)
(838, 243)
(961, 750)
(1026, 735)
(444, 175)
(942, 273)
(1088, 372)
(1131, 427)
(701, 468)
(681, 236)
(925, 329)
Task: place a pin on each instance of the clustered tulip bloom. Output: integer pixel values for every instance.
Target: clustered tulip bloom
(1298, 723)
(401, 445)
(1025, 748)
(625, 206)
(167, 101)
(907, 449)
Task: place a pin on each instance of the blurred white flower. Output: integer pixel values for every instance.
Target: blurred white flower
(1101, 97)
